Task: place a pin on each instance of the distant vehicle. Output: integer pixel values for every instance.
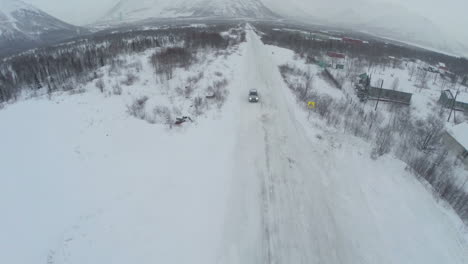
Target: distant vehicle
(253, 96)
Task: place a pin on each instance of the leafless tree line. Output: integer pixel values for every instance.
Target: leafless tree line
(375, 52)
(166, 61)
(55, 68)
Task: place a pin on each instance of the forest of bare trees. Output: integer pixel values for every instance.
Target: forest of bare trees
(375, 52)
(54, 67)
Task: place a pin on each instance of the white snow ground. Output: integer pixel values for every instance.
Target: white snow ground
(83, 182)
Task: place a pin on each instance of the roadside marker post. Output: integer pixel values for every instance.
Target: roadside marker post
(310, 105)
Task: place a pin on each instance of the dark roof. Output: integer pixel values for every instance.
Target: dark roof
(336, 55)
(448, 94)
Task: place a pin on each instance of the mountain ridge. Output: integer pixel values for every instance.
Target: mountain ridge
(130, 11)
(23, 26)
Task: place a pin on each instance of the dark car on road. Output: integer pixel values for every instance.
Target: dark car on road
(253, 96)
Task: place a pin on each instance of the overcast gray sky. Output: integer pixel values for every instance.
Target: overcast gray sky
(78, 12)
(446, 13)
(449, 15)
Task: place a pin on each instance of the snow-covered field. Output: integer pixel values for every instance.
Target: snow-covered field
(82, 181)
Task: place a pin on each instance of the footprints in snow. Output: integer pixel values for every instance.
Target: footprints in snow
(61, 253)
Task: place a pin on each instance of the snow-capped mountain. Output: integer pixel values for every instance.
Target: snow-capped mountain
(131, 10)
(24, 26)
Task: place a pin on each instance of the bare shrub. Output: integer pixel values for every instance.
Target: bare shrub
(219, 91)
(117, 89)
(176, 111)
(137, 65)
(137, 108)
(422, 78)
(130, 79)
(428, 132)
(100, 85)
(382, 143)
(309, 81)
(68, 86)
(198, 105)
(74, 91)
(302, 83)
(116, 66)
(193, 80)
(188, 90)
(353, 120)
(179, 91)
(323, 105)
(162, 115)
(431, 166)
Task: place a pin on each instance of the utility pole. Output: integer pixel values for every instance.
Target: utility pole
(308, 81)
(380, 92)
(463, 186)
(453, 106)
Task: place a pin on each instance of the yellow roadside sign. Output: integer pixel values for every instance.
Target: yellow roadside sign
(311, 105)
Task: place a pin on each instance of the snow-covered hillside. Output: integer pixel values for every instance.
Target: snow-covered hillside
(83, 181)
(129, 10)
(23, 25)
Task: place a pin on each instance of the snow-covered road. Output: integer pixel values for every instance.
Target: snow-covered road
(287, 218)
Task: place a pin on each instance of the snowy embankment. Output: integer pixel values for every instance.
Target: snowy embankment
(85, 182)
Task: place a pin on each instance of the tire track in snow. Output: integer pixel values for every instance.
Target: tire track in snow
(289, 236)
(295, 224)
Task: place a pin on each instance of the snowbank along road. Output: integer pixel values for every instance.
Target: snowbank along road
(259, 184)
